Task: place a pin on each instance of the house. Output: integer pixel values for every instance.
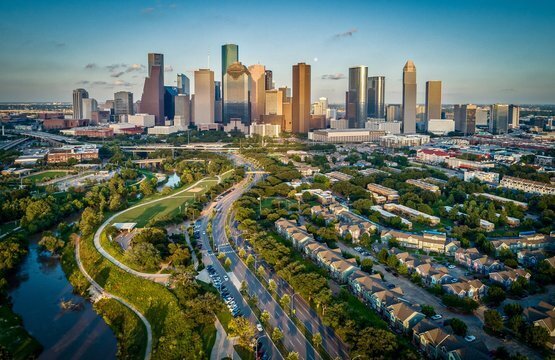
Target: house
(335, 263)
(429, 340)
(508, 277)
(551, 261)
(403, 316)
(486, 265)
(452, 247)
(543, 315)
(429, 240)
(474, 289)
(529, 257)
(466, 256)
(380, 300)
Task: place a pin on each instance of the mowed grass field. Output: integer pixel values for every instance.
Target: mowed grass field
(50, 174)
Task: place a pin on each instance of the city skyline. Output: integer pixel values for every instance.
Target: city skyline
(46, 66)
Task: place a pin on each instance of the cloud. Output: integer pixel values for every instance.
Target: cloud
(114, 67)
(135, 67)
(345, 34)
(91, 66)
(168, 68)
(337, 76)
(118, 74)
(97, 83)
(122, 83)
(83, 82)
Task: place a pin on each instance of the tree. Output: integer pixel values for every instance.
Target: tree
(512, 309)
(536, 336)
(242, 253)
(382, 256)
(143, 255)
(242, 329)
(373, 343)
(285, 302)
(366, 264)
(147, 187)
(264, 317)
(51, 243)
(317, 340)
(260, 271)
(493, 320)
(244, 287)
(277, 334)
(227, 263)
(458, 326)
(292, 356)
(496, 295)
(428, 310)
(250, 260)
(272, 286)
(89, 221)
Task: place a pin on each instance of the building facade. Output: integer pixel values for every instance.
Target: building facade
(152, 101)
(237, 92)
(376, 97)
(433, 100)
(409, 98)
(301, 102)
(78, 96)
(203, 110)
(357, 96)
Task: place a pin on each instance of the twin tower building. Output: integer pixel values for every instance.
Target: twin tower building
(244, 95)
(366, 99)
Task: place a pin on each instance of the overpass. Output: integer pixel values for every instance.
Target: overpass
(51, 138)
(12, 144)
(218, 148)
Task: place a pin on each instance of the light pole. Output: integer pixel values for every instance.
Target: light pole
(256, 344)
(259, 206)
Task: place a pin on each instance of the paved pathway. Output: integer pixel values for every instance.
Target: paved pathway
(223, 347)
(101, 290)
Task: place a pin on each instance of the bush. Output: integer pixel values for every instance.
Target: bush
(459, 327)
(466, 305)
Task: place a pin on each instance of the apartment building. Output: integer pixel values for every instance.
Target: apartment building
(527, 186)
(382, 191)
(424, 185)
(412, 213)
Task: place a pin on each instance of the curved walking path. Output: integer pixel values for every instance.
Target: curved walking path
(160, 278)
(148, 349)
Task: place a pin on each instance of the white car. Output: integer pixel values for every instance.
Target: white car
(451, 266)
(226, 278)
(259, 327)
(437, 317)
(470, 338)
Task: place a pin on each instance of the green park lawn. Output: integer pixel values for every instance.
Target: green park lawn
(14, 338)
(51, 174)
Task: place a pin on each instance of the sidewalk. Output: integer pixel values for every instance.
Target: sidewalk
(223, 347)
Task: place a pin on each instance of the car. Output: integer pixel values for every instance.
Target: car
(226, 278)
(453, 281)
(469, 338)
(204, 233)
(451, 266)
(504, 318)
(259, 327)
(437, 317)
(391, 286)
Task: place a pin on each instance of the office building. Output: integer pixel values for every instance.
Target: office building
(183, 85)
(441, 126)
(482, 116)
(258, 91)
(268, 81)
(218, 102)
(123, 103)
(465, 119)
(265, 130)
(357, 96)
(393, 112)
(390, 127)
(236, 91)
(152, 101)
(409, 98)
(339, 124)
(230, 55)
(514, 116)
(320, 107)
(499, 120)
(376, 97)
(203, 108)
(273, 102)
(338, 136)
(182, 110)
(143, 120)
(300, 106)
(78, 96)
(170, 92)
(89, 106)
(433, 100)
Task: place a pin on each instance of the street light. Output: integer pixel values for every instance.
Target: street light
(256, 343)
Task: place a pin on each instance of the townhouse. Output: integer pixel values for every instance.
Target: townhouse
(527, 186)
(382, 194)
(529, 257)
(525, 240)
(403, 317)
(473, 289)
(412, 213)
(424, 185)
(543, 315)
(508, 277)
(429, 241)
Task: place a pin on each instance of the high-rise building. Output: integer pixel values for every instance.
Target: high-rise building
(204, 97)
(482, 116)
(465, 118)
(274, 102)
(152, 101)
(499, 120)
(514, 116)
(300, 106)
(357, 97)
(170, 92)
(218, 102)
(89, 105)
(433, 100)
(123, 103)
(237, 90)
(269, 80)
(182, 110)
(393, 112)
(409, 98)
(376, 97)
(258, 91)
(78, 96)
(183, 85)
(230, 55)
(323, 101)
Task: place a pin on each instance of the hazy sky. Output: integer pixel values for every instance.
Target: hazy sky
(483, 50)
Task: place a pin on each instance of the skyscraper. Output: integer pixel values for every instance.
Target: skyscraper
(376, 97)
(300, 118)
(182, 110)
(393, 112)
(465, 118)
(273, 102)
(258, 91)
(89, 105)
(237, 90)
(204, 97)
(409, 98)
(78, 96)
(170, 92)
(357, 106)
(499, 119)
(269, 80)
(152, 101)
(433, 100)
(183, 85)
(123, 103)
(230, 55)
(514, 116)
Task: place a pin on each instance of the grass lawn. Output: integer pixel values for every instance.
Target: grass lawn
(42, 175)
(362, 312)
(284, 203)
(15, 338)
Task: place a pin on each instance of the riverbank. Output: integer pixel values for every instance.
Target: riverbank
(14, 338)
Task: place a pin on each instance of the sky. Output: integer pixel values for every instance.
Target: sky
(484, 51)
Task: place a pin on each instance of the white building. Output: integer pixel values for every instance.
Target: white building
(334, 136)
(488, 177)
(397, 141)
(527, 186)
(441, 126)
(164, 130)
(265, 130)
(390, 127)
(144, 120)
(339, 124)
(89, 105)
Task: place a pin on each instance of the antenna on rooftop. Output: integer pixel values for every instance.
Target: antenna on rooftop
(208, 59)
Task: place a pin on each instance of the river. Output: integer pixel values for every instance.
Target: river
(40, 285)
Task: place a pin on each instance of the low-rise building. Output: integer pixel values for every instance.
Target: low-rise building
(487, 177)
(337, 136)
(389, 215)
(507, 277)
(473, 289)
(379, 190)
(432, 156)
(527, 186)
(428, 241)
(456, 163)
(424, 185)
(543, 315)
(501, 199)
(412, 213)
(77, 152)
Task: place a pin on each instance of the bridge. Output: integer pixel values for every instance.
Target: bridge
(256, 172)
(218, 148)
(51, 138)
(12, 144)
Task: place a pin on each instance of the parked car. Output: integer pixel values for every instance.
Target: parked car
(437, 317)
(390, 286)
(259, 327)
(451, 266)
(226, 278)
(470, 338)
